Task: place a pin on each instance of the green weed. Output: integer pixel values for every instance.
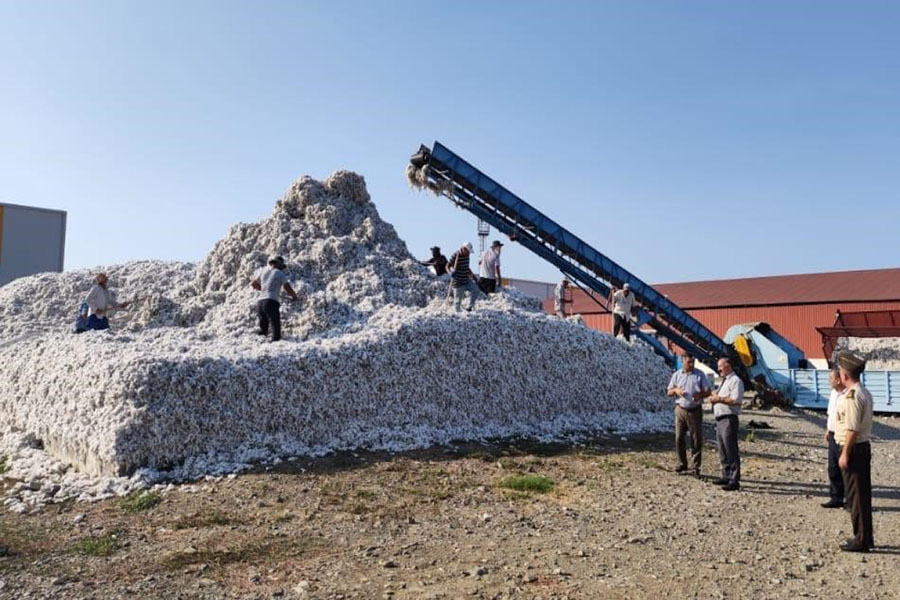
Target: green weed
(139, 501)
(527, 483)
(97, 545)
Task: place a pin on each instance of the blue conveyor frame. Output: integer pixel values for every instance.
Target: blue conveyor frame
(472, 190)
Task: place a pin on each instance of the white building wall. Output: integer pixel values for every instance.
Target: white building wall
(540, 289)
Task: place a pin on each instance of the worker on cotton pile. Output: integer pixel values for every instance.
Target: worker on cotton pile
(438, 262)
(489, 275)
(461, 278)
(269, 281)
(100, 301)
(560, 298)
(623, 304)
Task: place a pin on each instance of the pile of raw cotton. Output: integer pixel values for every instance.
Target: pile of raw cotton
(881, 354)
(374, 357)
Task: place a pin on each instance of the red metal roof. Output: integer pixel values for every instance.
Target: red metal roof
(875, 285)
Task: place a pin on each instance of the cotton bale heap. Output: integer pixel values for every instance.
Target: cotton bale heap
(881, 354)
(374, 356)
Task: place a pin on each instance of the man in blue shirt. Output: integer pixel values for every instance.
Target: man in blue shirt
(689, 386)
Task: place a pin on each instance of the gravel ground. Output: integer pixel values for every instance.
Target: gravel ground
(438, 524)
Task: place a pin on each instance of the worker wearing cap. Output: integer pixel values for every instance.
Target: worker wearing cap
(726, 403)
(489, 273)
(100, 301)
(560, 298)
(623, 304)
(689, 386)
(437, 261)
(269, 281)
(835, 478)
(852, 431)
(461, 277)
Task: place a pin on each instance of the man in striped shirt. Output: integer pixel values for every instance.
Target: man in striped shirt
(462, 279)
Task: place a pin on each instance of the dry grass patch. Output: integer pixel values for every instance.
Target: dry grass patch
(197, 520)
(253, 552)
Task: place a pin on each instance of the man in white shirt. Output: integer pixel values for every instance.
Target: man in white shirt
(100, 301)
(269, 281)
(560, 298)
(726, 403)
(489, 274)
(623, 304)
(835, 479)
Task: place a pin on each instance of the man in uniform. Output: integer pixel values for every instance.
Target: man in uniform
(689, 386)
(852, 431)
(835, 478)
(726, 403)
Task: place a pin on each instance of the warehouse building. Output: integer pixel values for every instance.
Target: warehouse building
(794, 305)
(32, 240)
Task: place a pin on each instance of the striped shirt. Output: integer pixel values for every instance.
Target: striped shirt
(462, 273)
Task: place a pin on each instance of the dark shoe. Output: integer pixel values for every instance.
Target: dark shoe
(731, 487)
(261, 332)
(681, 469)
(855, 547)
(696, 473)
(833, 504)
(721, 481)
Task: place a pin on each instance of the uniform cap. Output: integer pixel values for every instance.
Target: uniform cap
(626, 287)
(496, 244)
(852, 362)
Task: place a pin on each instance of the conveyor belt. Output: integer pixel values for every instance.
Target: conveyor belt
(474, 191)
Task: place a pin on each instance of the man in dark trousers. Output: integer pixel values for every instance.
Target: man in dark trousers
(726, 403)
(689, 386)
(835, 478)
(622, 305)
(852, 431)
(269, 281)
(489, 264)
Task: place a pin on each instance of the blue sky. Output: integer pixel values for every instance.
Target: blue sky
(686, 140)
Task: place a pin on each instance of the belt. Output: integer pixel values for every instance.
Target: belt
(695, 409)
(720, 417)
(866, 443)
